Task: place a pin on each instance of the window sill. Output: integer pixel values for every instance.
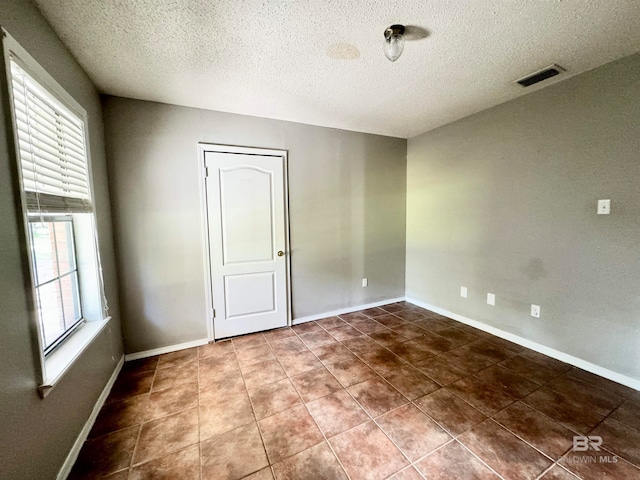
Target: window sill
(61, 360)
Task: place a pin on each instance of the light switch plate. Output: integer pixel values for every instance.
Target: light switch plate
(491, 299)
(463, 292)
(535, 310)
(365, 282)
(604, 206)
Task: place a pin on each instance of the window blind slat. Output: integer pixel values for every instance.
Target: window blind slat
(54, 204)
(52, 149)
(46, 168)
(48, 101)
(30, 160)
(48, 123)
(56, 122)
(33, 123)
(45, 142)
(26, 143)
(52, 167)
(62, 187)
(51, 181)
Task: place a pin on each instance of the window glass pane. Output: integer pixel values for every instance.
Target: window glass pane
(44, 251)
(70, 299)
(56, 276)
(50, 312)
(64, 241)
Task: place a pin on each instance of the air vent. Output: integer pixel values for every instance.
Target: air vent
(540, 75)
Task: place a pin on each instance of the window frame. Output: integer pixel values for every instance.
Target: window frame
(75, 271)
(53, 365)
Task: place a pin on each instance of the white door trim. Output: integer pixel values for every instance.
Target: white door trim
(203, 148)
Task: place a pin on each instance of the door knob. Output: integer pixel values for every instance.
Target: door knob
(280, 253)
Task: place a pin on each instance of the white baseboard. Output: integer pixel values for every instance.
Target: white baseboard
(205, 341)
(342, 311)
(84, 433)
(550, 352)
(167, 349)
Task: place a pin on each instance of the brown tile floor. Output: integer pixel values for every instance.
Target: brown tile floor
(393, 392)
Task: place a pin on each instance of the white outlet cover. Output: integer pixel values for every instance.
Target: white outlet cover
(491, 298)
(604, 206)
(535, 310)
(463, 292)
(365, 282)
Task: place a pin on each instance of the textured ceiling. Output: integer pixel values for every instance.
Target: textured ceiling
(321, 62)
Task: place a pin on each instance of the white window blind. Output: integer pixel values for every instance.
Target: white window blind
(52, 148)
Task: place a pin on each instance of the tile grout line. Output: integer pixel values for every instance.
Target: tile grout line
(135, 465)
(132, 463)
(288, 377)
(323, 328)
(326, 440)
(136, 445)
(371, 418)
(480, 459)
(255, 418)
(374, 419)
(453, 437)
(549, 468)
(623, 457)
(625, 397)
(488, 417)
(491, 417)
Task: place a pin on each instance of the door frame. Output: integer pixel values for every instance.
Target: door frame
(203, 149)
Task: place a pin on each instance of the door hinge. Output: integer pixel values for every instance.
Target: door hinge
(206, 172)
(214, 313)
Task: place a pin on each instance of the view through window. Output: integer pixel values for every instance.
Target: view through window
(56, 277)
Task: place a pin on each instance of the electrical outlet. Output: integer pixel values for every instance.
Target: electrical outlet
(491, 298)
(365, 282)
(535, 310)
(463, 292)
(604, 207)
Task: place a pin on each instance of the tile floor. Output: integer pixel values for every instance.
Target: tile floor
(392, 392)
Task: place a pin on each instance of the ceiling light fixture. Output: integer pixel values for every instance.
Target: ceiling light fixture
(394, 42)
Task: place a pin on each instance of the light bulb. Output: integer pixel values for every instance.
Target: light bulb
(393, 47)
(394, 42)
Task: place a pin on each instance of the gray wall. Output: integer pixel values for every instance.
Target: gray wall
(346, 205)
(36, 435)
(504, 201)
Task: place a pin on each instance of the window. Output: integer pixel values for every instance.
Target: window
(56, 278)
(55, 187)
(53, 164)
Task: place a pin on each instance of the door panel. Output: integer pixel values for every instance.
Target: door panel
(262, 300)
(247, 228)
(247, 214)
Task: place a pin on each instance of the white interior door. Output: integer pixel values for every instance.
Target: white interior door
(246, 211)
